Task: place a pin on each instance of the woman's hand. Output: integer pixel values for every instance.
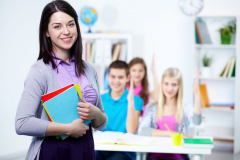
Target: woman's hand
(196, 84)
(87, 111)
(77, 128)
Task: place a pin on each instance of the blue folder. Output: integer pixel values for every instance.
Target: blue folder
(63, 107)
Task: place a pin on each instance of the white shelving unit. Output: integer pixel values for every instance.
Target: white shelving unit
(221, 123)
(114, 38)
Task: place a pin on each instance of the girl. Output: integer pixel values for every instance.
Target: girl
(59, 64)
(138, 72)
(170, 110)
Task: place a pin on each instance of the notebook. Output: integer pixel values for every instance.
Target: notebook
(198, 143)
(50, 95)
(62, 108)
(120, 138)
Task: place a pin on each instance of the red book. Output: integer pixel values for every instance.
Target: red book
(198, 33)
(50, 95)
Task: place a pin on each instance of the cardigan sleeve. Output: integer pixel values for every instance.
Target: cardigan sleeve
(100, 105)
(26, 122)
(196, 119)
(147, 124)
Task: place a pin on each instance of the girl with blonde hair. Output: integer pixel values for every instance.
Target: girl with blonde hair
(171, 110)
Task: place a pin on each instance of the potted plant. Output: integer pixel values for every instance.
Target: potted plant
(205, 71)
(228, 32)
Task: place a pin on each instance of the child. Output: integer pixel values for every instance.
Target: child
(138, 72)
(122, 108)
(170, 110)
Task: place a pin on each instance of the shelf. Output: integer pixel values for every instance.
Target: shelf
(222, 133)
(217, 78)
(106, 36)
(223, 109)
(216, 16)
(214, 46)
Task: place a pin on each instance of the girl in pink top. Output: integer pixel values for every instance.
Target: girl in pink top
(170, 110)
(138, 72)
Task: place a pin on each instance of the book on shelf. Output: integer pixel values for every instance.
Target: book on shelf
(123, 52)
(103, 51)
(202, 32)
(222, 105)
(119, 138)
(88, 50)
(204, 95)
(120, 51)
(105, 80)
(107, 51)
(229, 69)
(92, 53)
(84, 49)
(198, 143)
(198, 36)
(115, 52)
(99, 50)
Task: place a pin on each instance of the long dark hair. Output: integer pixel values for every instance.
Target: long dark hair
(45, 42)
(144, 93)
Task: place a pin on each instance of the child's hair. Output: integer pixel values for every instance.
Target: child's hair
(144, 93)
(171, 73)
(119, 65)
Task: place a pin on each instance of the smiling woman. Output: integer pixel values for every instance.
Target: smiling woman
(59, 64)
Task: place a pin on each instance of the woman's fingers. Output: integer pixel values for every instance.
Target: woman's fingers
(83, 114)
(84, 110)
(82, 100)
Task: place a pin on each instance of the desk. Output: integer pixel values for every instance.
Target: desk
(159, 145)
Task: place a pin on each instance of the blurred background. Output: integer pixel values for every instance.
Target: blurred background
(140, 29)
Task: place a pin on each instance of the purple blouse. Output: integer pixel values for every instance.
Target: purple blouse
(66, 75)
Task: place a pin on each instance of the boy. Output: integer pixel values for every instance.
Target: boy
(122, 108)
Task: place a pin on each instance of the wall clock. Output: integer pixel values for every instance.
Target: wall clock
(191, 7)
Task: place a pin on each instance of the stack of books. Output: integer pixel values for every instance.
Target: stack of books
(229, 69)
(95, 52)
(61, 105)
(201, 33)
(198, 143)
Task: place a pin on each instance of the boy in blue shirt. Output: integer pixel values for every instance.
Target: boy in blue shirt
(122, 108)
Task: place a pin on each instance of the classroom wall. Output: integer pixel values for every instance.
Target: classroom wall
(158, 26)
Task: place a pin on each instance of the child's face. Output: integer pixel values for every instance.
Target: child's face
(137, 73)
(170, 87)
(117, 79)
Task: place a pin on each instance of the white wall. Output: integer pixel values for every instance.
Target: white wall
(158, 26)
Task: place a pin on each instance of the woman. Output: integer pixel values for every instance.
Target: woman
(59, 64)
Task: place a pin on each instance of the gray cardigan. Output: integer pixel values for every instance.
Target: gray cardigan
(31, 118)
(148, 123)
